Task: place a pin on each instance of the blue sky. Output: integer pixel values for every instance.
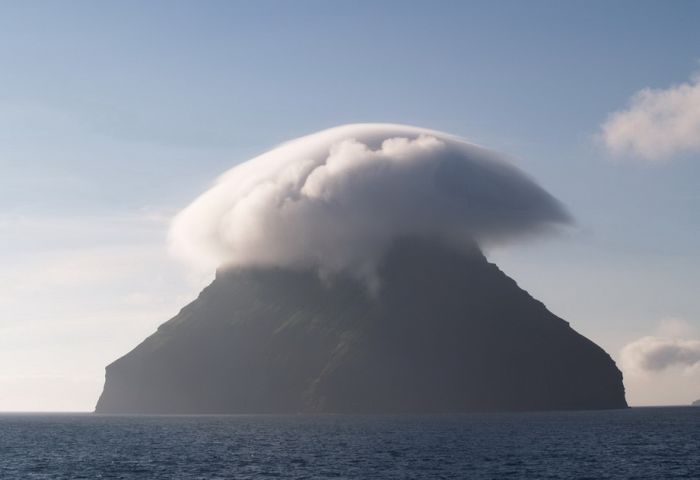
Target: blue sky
(114, 115)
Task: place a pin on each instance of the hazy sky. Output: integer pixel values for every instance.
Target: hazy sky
(115, 115)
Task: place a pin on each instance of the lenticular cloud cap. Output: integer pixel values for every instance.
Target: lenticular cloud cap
(335, 200)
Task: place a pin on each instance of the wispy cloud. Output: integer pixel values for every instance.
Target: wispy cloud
(650, 354)
(657, 124)
(669, 347)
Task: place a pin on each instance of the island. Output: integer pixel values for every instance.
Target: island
(446, 331)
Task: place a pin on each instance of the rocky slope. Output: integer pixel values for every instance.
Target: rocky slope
(447, 332)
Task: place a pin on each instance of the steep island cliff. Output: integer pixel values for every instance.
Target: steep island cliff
(446, 332)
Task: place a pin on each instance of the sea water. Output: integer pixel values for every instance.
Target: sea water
(640, 443)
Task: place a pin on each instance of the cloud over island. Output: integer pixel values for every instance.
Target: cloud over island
(335, 200)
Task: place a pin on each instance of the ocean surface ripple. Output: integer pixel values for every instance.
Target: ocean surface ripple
(640, 443)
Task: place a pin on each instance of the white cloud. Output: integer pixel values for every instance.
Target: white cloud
(336, 199)
(669, 347)
(649, 354)
(658, 123)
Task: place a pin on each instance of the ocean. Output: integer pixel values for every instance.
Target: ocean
(637, 443)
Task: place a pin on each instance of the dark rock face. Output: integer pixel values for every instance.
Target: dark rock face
(447, 332)
(696, 403)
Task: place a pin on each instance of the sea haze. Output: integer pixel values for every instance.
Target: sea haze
(640, 443)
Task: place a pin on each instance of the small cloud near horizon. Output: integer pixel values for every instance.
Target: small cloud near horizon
(668, 347)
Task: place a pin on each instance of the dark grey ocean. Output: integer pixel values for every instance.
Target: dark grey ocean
(638, 443)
